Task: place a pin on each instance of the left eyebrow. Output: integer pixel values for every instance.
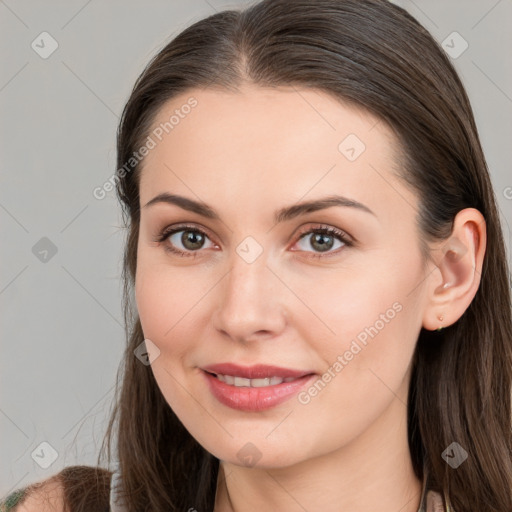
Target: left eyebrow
(281, 215)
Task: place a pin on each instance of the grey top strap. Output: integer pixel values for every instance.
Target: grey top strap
(116, 502)
(432, 501)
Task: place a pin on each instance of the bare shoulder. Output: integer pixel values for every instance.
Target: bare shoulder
(46, 496)
(84, 488)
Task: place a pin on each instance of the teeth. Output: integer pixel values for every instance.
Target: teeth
(253, 383)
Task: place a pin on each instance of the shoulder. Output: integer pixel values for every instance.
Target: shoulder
(67, 490)
(45, 496)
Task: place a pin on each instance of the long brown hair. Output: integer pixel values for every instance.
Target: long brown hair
(376, 56)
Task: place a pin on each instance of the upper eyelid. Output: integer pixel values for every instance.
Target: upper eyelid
(339, 233)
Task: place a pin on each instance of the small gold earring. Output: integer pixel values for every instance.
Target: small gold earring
(441, 318)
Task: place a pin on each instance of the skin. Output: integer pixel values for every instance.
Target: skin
(246, 155)
(47, 496)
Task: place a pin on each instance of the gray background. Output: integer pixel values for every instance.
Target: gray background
(62, 333)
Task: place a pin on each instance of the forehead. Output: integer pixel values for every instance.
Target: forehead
(263, 142)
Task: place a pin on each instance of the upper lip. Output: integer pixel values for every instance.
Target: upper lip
(259, 371)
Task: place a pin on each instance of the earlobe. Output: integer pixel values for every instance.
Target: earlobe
(454, 283)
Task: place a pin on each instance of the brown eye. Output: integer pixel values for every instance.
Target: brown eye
(191, 240)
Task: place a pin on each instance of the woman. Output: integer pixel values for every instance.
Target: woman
(252, 144)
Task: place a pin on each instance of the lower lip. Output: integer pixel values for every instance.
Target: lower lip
(255, 399)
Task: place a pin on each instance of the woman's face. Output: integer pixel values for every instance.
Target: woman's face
(253, 289)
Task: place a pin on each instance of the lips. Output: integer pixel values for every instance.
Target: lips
(255, 399)
(259, 371)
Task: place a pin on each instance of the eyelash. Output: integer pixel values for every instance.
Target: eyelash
(326, 230)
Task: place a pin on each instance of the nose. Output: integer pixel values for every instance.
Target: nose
(252, 301)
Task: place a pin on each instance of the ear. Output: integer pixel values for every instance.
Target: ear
(455, 279)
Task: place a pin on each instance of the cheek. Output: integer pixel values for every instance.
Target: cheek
(173, 311)
(367, 358)
(164, 297)
(344, 302)
(163, 301)
(152, 304)
(368, 315)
